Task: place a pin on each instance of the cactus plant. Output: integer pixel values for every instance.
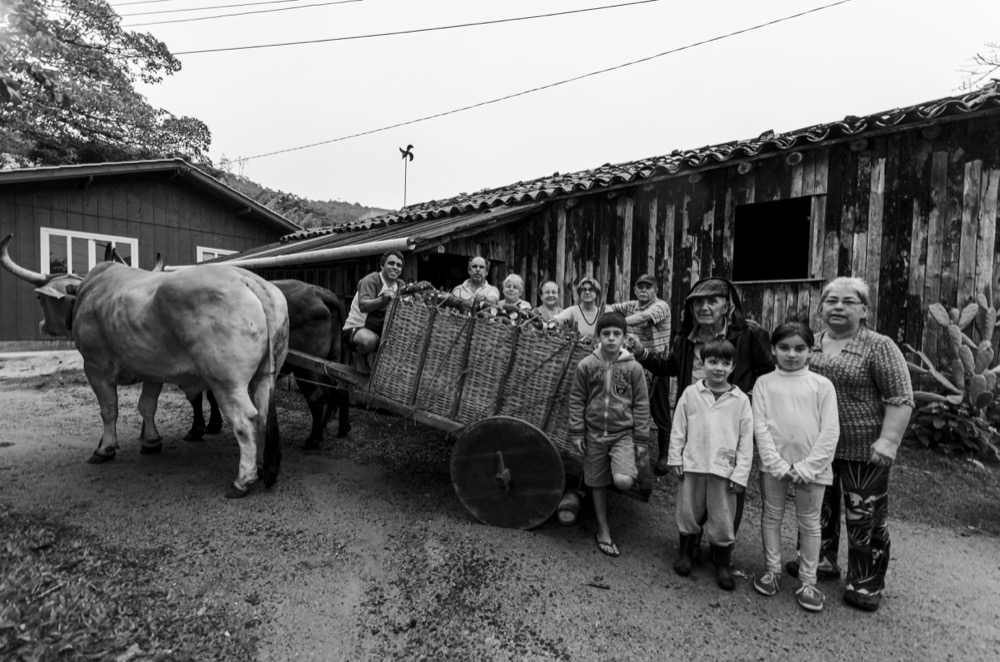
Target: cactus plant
(956, 418)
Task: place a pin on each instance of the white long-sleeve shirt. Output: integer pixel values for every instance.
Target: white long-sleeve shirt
(712, 435)
(796, 424)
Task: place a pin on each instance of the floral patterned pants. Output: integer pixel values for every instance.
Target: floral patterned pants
(864, 490)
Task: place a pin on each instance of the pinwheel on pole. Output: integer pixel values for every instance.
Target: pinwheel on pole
(408, 152)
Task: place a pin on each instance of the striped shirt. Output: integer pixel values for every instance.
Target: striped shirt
(651, 322)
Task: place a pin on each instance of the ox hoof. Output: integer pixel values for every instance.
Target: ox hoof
(98, 458)
(236, 493)
(194, 435)
(343, 432)
(214, 428)
(152, 449)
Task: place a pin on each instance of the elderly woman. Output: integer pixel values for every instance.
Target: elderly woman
(513, 290)
(585, 314)
(874, 401)
(549, 295)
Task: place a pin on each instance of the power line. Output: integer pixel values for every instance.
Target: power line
(416, 30)
(137, 2)
(556, 84)
(246, 13)
(191, 9)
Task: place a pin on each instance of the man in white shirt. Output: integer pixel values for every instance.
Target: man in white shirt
(363, 328)
(476, 287)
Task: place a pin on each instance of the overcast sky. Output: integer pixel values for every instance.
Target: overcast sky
(853, 59)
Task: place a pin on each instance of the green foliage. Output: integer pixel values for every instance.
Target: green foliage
(67, 75)
(954, 429)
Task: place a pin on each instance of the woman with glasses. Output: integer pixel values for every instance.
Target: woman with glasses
(583, 315)
(549, 296)
(874, 402)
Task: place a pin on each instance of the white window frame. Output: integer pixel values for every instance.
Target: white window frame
(217, 252)
(90, 237)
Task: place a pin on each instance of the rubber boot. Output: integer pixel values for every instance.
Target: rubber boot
(723, 571)
(682, 566)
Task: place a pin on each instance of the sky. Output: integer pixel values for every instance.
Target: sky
(856, 58)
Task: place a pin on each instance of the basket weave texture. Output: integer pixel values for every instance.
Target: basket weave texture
(405, 330)
(441, 375)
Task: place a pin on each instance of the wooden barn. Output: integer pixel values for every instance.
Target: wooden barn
(61, 217)
(906, 199)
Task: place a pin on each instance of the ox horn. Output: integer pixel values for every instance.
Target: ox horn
(160, 265)
(35, 278)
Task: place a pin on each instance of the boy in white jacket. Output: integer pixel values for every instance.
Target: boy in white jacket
(711, 447)
(797, 427)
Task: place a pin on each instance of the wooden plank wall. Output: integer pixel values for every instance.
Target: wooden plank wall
(164, 215)
(913, 213)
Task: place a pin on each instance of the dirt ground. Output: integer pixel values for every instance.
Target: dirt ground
(363, 552)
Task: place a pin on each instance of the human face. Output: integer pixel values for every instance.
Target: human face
(644, 292)
(792, 353)
(612, 340)
(512, 292)
(717, 371)
(843, 311)
(550, 295)
(710, 311)
(392, 268)
(478, 270)
(587, 293)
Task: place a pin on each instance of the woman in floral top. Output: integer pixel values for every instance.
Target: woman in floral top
(874, 401)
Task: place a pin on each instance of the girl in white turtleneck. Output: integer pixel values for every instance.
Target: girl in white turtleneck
(796, 428)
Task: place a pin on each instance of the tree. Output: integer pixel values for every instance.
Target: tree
(67, 76)
(982, 67)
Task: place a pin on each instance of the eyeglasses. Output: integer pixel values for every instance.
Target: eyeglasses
(847, 303)
(587, 289)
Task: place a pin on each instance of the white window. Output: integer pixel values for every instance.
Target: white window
(68, 251)
(205, 254)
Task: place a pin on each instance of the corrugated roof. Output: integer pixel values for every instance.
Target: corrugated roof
(423, 233)
(986, 99)
(175, 166)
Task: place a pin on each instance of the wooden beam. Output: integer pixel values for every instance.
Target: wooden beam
(623, 268)
(967, 248)
(560, 274)
(873, 266)
(986, 238)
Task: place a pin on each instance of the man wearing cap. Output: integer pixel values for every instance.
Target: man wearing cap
(712, 310)
(648, 317)
(476, 287)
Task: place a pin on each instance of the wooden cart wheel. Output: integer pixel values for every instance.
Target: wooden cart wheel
(507, 472)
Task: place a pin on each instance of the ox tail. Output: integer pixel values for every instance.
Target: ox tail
(272, 437)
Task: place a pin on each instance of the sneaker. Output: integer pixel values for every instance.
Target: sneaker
(767, 584)
(810, 598)
(863, 599)
(825, 570)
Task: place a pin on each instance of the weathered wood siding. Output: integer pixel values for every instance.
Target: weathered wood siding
(166, 216)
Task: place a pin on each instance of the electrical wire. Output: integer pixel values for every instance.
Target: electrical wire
(415, 30)
(241, 4)
(246, 13)
(551, 85)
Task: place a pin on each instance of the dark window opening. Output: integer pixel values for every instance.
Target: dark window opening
(448, 270)
(771, 240)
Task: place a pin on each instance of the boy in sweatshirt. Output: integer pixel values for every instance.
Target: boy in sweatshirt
(608, 411)
(711, 447)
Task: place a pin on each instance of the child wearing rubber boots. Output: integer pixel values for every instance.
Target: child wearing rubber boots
(711, 447)
(608, 415)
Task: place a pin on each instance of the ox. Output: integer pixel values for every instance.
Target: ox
(316, 317)
(209, 327)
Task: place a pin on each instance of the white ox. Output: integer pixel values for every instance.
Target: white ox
(208, 327)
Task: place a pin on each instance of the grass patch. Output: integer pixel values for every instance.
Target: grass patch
(64, 596)
(945, 490)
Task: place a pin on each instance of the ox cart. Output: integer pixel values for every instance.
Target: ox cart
(501, 390)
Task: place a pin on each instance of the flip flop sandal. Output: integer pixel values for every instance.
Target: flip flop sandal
(609, 548)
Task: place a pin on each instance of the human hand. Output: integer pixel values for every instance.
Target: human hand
(677, 471)
(580, 444)
(793, 477)
(633, 344)
(736, 488)
(388, 295)
(883, 452)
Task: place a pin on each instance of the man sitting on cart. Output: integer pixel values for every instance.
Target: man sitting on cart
(363, 328)
(476, 288)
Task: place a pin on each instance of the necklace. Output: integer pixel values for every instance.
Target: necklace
(590, 322)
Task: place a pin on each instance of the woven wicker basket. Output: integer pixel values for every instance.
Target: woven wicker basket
(444, 362)
(559, 419)
(488, 360)
(405, 332)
